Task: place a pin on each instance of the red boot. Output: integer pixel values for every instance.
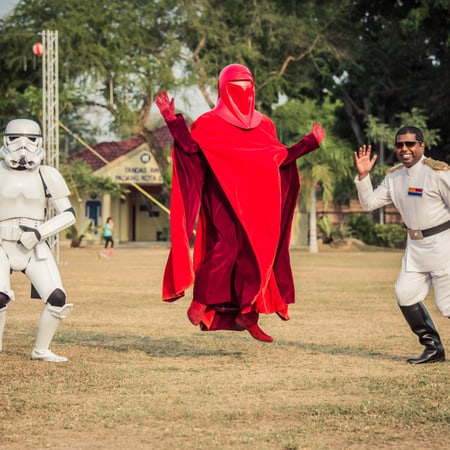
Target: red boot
(195, 312)
(249, 321)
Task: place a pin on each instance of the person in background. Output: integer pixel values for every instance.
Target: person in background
(26, 187)
(108, 237)
(419, 188)
(231, 171)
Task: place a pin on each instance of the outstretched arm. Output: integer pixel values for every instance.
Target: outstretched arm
(176, 123)
(363, 161)
(307, 144)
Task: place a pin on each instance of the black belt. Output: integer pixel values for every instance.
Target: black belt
(420, 234)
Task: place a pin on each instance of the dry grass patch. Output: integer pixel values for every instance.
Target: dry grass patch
(141, 376)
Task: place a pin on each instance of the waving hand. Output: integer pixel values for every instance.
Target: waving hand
(363, 161)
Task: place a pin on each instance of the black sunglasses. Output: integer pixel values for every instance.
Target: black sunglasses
(409, 144)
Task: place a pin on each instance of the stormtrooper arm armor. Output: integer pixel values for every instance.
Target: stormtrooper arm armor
(31, 236)
(58, 194)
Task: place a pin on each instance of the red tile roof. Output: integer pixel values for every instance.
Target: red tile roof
(110, 151)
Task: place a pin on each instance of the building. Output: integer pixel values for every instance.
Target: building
(132, 164)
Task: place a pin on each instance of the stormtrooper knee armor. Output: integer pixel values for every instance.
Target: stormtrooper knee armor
(49, 322)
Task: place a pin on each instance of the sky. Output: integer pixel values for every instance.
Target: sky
(6, 6)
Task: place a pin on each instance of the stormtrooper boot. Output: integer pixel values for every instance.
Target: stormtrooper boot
(421, 324)
(2, 325)
(49, 322)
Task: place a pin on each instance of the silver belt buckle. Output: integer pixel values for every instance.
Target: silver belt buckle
(415, 234)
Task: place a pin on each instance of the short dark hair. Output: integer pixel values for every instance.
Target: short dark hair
(410, 129)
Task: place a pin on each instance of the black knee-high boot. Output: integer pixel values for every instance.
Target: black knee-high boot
(421, 324)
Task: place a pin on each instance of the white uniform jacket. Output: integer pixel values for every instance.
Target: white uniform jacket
(421, 194)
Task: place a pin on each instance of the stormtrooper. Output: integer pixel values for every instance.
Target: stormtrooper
(25, 188)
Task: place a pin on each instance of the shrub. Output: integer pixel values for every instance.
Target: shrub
(362, 228)
(392, 235)
(371, 233)
(331, 232)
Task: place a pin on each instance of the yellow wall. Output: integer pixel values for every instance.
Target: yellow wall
(131, 216)
(125, 213)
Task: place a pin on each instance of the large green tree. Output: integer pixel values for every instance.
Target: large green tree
(400, 53)
(112, 56)
(283, 42)
(378, 58)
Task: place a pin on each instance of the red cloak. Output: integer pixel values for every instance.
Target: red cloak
(255, 185)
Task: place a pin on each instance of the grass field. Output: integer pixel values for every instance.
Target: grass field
(140, 376)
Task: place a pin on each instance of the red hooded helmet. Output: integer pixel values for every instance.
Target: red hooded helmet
(236, 104)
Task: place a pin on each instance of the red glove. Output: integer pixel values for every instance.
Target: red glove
(319, 132)
(166, 106)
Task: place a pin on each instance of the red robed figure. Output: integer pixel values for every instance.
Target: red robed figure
(236, 181)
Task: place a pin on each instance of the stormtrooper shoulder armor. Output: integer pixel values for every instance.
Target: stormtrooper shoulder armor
(54, 182)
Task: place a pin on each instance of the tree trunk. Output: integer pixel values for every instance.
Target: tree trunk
(313, 247)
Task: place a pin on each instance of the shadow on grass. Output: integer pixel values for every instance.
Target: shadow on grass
(345, 351)
(170, 347)
(165, 347)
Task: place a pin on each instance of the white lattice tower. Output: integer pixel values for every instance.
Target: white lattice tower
(50, 113)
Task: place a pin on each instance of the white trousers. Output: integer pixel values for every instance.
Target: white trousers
(413, 287)
(40, 268)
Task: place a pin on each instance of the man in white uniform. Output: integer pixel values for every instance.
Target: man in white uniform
(25, 188)
(419, 188)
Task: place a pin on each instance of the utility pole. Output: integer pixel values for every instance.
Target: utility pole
(50, 112)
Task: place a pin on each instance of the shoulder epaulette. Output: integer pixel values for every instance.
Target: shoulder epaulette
(394, 169)
(436, 164)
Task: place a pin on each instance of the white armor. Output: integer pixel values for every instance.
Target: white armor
(22, 147)
(25, 187)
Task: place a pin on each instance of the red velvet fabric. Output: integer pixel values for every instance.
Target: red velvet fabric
(244, 185)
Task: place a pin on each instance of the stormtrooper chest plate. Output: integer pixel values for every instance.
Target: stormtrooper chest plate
(21, 194)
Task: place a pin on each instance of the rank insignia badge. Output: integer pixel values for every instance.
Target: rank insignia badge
(417, 192)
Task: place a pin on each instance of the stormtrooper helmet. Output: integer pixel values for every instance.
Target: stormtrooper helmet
(22, 144)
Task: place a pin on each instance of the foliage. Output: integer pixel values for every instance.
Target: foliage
(390, 235)
(117, 52)
(363, 228)
(79, 176)
(326, 227)
(331, 232)
(371, 233)
(385, 134)
(324, 169)
(330, 166)
(385, 33)
(285, 43)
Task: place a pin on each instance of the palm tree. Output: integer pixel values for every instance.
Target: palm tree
(322, 169)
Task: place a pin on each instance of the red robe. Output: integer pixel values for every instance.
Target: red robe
(243, 184)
